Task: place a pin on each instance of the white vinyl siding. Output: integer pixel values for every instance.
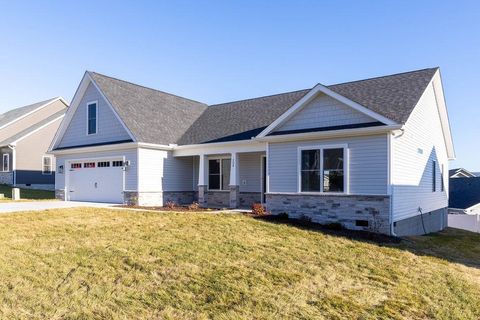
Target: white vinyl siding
(324, 111)
(109, 128)
(160, 171)
(367, 164)
(414, 153)
(130, 173)
(250, 167)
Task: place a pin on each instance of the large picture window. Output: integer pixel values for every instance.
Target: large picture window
(322, 170)
(218, 174)
(92, 118)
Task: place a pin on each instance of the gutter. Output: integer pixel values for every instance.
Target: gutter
(329, 134)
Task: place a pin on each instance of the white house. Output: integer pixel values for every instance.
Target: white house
(370, 154)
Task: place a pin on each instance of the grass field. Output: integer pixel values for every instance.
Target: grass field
(120, 264)
(27, 194)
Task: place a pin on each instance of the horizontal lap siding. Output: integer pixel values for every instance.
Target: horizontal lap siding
(250, 172)
(109, 127)
(130, 173)
(413, 155)
(325, 111)
(368, 162)
(160, 171)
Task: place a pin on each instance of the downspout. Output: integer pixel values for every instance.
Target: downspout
(391, 136)
(14, 167)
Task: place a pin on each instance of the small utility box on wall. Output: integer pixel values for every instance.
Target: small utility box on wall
(15, 194)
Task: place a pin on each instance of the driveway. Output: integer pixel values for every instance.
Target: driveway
(44, 205)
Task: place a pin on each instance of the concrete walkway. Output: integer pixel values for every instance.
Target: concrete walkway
(44, 205)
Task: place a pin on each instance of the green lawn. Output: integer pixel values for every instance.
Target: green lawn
(27, 194)
(121, 264)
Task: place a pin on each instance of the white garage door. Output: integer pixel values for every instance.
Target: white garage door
(97, 181)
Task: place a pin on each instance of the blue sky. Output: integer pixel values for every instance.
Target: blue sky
(216, 51)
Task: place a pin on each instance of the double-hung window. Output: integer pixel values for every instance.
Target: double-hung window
(92, 121)
(6, 162)
(323, 169)
(47, 165)
(218, 174)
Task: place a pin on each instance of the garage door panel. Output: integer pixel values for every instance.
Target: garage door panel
(98, 184)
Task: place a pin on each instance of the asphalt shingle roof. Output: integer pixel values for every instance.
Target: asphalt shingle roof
(152, 116)
(464, 192)
(31, 128)
(157, 117)
(13, 114)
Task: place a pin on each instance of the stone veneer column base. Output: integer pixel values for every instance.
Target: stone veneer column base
(60, 194)
(356, 212)
(234, 196)
(202, 196)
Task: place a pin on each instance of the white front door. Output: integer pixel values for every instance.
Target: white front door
(96, 181)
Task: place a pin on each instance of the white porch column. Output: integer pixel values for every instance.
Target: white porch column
(202, 182)
(234, 181)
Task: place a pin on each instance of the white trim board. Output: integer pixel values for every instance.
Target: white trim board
(299, 105)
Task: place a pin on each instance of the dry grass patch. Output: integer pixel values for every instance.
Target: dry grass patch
(118, 264)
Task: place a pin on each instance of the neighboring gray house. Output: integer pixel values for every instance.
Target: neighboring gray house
(370, 154)
(25, 137)
(461, 173)
(464, 192)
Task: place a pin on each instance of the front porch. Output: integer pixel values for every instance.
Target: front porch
(235, 179)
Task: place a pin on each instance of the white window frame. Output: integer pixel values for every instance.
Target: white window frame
(221, 172)
(43, 165)
(96, 117)
(8, 162)
(346, 168)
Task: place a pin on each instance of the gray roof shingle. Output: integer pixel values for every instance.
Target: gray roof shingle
(158, 117)
(152, 116)
(13, 114)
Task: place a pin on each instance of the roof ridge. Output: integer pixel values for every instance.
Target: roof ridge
(145, 87)
(267, 96)
(41, 103)
(380, 77)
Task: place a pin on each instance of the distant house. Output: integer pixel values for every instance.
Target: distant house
(464, 197)
(369, 154)
(461, 173)
(25, 136)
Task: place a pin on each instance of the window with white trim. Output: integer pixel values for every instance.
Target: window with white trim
(219, 174)
(117, 163)
(322, 170)
(103, 164)
(92, 113)
(442, 182)
(6, 162)
(434, 176)
(47, 165)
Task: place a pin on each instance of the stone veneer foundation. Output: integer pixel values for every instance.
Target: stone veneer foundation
(352, 211)
(218, 199)
(6, 178)
(60, 194)
(156, 198)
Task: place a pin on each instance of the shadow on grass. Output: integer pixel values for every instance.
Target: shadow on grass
(453, 245)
